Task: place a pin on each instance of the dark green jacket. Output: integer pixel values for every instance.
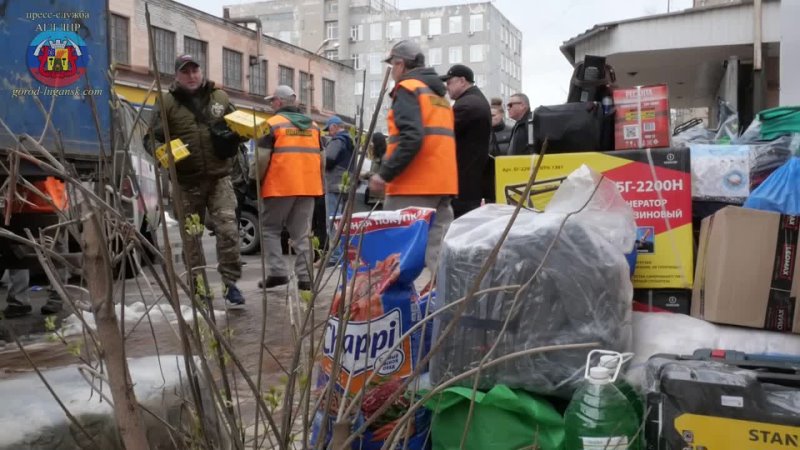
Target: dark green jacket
(202, 164)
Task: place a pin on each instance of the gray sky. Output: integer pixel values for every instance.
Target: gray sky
(545, 25)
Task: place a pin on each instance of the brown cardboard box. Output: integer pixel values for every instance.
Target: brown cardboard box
(746, 273)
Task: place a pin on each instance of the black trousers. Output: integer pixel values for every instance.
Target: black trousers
(462, 206)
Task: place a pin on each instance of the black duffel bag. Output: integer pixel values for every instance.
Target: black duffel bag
(573, 127)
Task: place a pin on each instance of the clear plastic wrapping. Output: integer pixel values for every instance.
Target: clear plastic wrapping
(582, 294)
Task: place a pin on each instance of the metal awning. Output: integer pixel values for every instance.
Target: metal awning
(686, 49)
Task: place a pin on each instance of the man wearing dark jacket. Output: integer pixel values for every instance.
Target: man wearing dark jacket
(419, 168)
(195, 112)
(519, 109)
(501, 134)
(338, 173)
(473, 127)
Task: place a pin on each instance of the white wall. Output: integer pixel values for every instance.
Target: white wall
(790, 53)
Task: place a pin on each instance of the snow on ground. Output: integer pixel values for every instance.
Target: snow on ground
(134, 313)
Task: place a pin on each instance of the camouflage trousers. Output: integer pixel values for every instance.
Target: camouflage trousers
(216, 197)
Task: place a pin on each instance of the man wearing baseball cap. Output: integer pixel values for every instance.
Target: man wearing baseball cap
(338, 161)
(419, 168)
(290, 175)
(195, 110)
(473, 127)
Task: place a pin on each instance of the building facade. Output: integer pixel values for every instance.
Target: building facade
(361, 32)
(751, 66)
(231, 55)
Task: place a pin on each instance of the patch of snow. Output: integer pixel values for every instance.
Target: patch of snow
(135, 312)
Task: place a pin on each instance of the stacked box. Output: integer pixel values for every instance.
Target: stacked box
(642, 117)
(656, 184)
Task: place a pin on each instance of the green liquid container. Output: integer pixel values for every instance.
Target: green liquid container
(610, 363)
(599, 417)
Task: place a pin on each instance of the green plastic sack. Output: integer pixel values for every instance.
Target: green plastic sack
(503, 419)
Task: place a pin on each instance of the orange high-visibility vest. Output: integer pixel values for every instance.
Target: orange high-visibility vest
(433, 171)
(294, 168)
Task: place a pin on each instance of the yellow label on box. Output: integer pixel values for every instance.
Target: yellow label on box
(247, 125)
(659, 194)
(719, 433)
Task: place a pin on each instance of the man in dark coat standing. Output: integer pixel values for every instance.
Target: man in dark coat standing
(473, 129)
(519, 109)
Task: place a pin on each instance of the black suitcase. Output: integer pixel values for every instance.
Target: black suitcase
(573, 127)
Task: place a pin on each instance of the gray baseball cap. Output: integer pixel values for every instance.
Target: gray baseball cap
(408, 50)
(282, 92)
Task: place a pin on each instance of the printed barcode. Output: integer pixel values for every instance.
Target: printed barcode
(630, 131)
(649, 126)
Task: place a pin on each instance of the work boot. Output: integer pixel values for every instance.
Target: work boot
(233, 295)
(271, 282)
(14, 310)
(51, 308)
(304, 285)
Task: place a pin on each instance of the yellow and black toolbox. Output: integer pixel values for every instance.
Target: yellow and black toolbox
(722, 400)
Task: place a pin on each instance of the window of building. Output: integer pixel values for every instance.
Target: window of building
(198, 49)
(120, 43)
(434, 26)
(258, 78)
(454, 25)
(476, 23)
(376, 31)
(376, 64)
(231, 68)
(306, 82)
(358, 88)
(332, 54)
(286, 76)
(164, 42)
(358, 61)
(328, 94)
(476, 53)
(357, 33)
(374, 88)
(414, 28)
(332, 29)
(434, 56)
(332, 6)
(455, 56)
(394, 30)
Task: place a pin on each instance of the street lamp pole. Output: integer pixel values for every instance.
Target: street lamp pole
(310, 86)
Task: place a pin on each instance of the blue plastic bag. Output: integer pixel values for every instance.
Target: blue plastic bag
(780, 192)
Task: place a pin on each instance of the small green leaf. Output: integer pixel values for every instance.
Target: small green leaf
(50, 323)
(306, 297)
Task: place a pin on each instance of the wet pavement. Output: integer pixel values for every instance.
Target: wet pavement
(157, 335)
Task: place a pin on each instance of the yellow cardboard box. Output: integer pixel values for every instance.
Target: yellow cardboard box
(247, 125)
(657, 185)
(179, 151)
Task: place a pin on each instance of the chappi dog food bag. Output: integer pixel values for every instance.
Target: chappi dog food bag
(385, 254)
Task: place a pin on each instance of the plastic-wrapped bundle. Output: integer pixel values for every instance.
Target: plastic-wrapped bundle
(582, 294)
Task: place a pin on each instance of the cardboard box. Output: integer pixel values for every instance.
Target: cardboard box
(247, 125)
(676, 301)
(642, 117)
(746, 271)
(180, 151)
(720, 173)
(662, 203)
